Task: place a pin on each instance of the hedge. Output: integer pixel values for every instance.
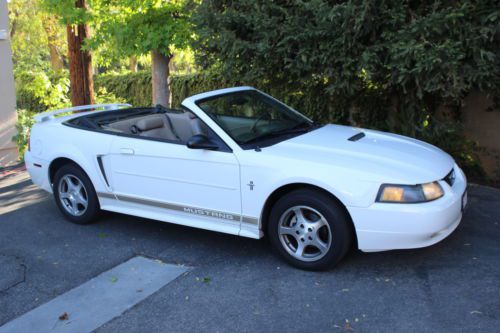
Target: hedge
(312, 99)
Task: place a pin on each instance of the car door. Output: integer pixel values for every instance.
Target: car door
(176, 179)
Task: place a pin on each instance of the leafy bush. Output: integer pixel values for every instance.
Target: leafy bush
(102, 96)
(24, 123)
(38, 91)
(133, 88)
(421, 54)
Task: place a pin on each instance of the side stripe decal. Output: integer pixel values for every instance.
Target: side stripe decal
(180, 208)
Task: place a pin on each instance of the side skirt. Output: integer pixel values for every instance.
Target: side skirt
(184, 215)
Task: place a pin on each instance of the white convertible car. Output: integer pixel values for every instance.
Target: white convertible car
(238, 161)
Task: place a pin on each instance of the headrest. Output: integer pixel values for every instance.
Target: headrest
(149, 123)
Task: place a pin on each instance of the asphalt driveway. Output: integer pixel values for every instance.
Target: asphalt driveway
(238, 285)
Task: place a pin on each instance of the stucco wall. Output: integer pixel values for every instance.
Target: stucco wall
(8, 150)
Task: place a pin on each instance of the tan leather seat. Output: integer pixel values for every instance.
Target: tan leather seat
(123, 125)
(169, 126)
(186, 125)
(155, 126)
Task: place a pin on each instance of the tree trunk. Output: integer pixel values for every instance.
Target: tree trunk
(80, 63)
(133, 64)
(50, 25)
(161, 78)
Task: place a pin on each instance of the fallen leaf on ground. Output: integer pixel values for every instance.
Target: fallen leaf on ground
(347, 326)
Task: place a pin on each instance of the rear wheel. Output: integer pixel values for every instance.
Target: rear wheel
(75, 195)
(310, 229)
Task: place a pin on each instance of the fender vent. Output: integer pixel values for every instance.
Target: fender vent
(357, 137)
(101, 166)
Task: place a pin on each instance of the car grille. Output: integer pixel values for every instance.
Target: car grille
(450, 177)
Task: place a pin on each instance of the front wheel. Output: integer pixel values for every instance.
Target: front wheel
(310, 229)
(74, 194)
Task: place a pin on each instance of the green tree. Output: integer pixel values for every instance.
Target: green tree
(37, 39)
(137, 27)
(421, 54)
(75, 15)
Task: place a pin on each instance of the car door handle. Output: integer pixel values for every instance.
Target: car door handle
(126, 151)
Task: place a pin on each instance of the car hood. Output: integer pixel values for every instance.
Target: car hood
(376, 156)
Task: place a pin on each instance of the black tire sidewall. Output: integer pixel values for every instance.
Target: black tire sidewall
(335, 215)
(93, 207)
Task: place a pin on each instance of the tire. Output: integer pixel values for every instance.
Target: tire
(324, 231)
(73, 188)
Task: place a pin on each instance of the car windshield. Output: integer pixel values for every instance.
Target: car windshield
(251, 117)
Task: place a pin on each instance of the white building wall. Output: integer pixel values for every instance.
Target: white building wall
(8, 150)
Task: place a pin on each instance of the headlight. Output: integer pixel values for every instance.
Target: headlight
(410, 193)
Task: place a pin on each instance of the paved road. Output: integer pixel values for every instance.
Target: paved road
(238, 285)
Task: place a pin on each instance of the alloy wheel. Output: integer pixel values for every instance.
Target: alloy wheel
(73, 195)
(304, 233)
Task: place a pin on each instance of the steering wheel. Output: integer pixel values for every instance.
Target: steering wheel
(253, 129)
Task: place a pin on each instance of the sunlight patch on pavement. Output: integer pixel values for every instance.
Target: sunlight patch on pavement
(97, 301)
(15, 193)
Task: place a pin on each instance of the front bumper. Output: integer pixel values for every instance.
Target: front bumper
(390, 226)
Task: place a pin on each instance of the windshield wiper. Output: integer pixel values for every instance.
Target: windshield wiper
(299, 128)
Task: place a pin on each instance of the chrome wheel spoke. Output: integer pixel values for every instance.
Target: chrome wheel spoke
(304, 233)
(74, 206)
(65, 182)
(299, 216)
(79, 199)
(287, 231)
(299, 251)
(77, 187)
(317, 243)
(320, 223)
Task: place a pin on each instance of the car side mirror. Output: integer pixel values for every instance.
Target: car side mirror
(201, 141)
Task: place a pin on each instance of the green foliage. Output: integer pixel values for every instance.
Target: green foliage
(419, 54)
(102, 96)
(38, 91)
(133, 88)
(29, 35)
(66, 11)
(28, 40)
(135, 27)
(24, 123)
